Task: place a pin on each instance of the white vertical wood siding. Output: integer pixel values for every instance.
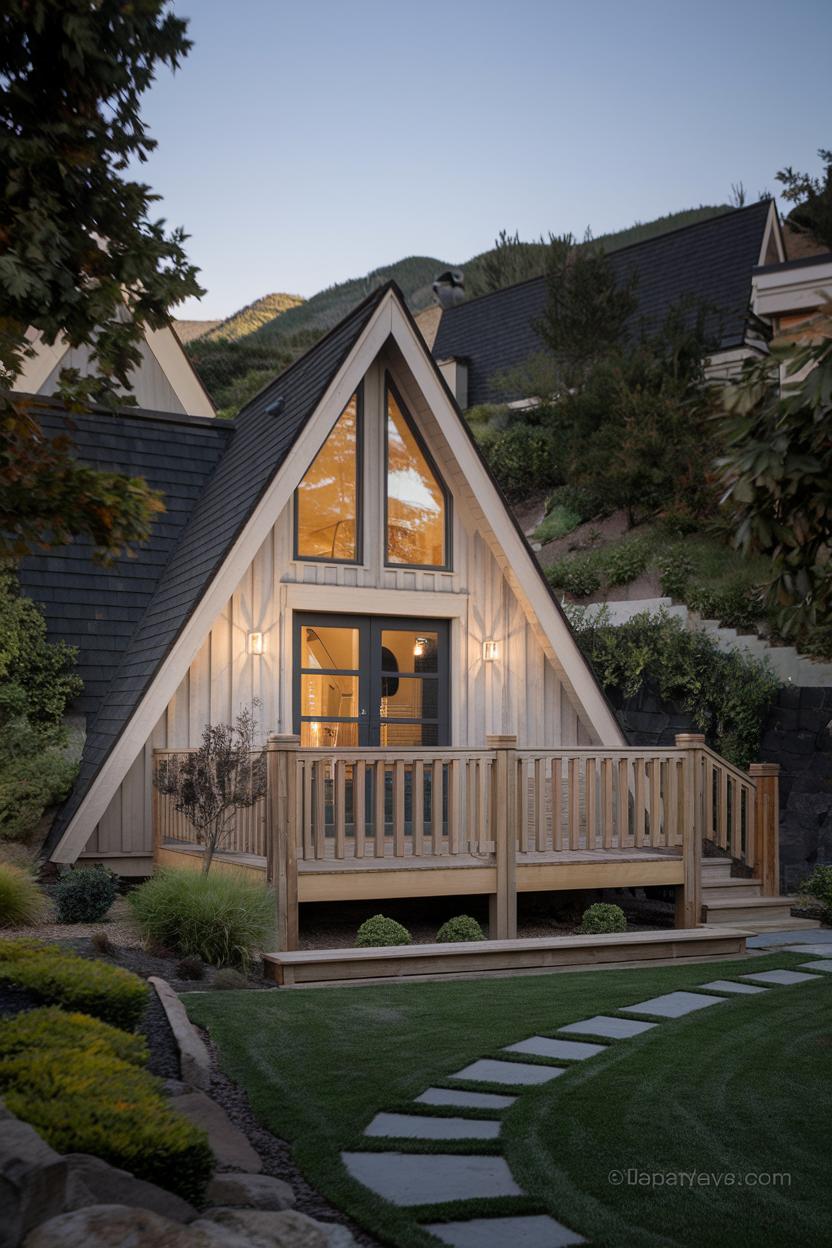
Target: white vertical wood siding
(519, 693)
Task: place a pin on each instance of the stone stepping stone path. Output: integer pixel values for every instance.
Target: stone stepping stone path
(422, 1127)
(520, 1232)
(779, 977)
(731, 985)
(410, 1179)
(492, 1070)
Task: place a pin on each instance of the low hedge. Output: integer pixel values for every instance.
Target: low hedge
(95, 1103)
(106, 992)
(52, 1028)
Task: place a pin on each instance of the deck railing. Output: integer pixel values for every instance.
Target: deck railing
(501, 805)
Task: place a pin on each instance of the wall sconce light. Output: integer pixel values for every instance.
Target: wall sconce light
(255, 643)
(490, 650)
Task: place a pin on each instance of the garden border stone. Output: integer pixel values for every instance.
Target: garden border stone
(194, 1059)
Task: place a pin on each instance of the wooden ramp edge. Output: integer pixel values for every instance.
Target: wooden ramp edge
(307, 966)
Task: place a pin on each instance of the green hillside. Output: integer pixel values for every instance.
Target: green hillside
(252, 317)
(241, 354)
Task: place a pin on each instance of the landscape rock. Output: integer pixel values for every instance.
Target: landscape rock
(33, 1180)
(103, 1184)
(115, 1226)
(228, 1144)
(175, 1087)
(194, 1059)
(256, 1228)
(254, 1191)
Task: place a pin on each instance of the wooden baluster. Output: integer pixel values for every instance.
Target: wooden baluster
(340, 804)
(308, 844)
(398, 809)
(454, 806)
(523, 805)
(640, 789)
(606, 802)
(359, 792)
(540, 804)
(574, 803)
(418, 808)
(436, 803)
(557, 820)
(379, 782)
(590, 802)
(319, 785)
(483, 781)
(623, 838)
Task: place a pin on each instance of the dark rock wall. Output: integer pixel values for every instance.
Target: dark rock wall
(797, 735)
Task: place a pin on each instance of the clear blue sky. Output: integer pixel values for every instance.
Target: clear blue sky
(308, 141)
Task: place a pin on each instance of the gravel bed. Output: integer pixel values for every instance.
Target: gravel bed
(275, 1154)
(118, 925)
(164, 1054)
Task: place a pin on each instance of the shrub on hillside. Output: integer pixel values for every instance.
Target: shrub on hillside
(819, 886)
(461, 928)
(601, 918)
(222, 919)
(31, 780)
(622, 564)
(21, 901)
(577, 574)
(734, 604)
(107, 992)
(523, 457)
(85, 894)
(379, 930)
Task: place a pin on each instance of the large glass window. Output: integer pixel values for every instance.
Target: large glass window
(417, 502)
(328, 499)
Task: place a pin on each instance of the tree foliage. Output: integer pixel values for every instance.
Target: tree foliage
(777, 478)
(812, 199)
(211, 784)
(81, 256)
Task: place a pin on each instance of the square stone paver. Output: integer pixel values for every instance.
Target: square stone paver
(810, 936)
(543, 1046)
(423, 1127)
(530, 1231)
(468, 1100)
(611, 1028)
(825, 964)
(781, 977)
(431, 1178)
(731, 985)
(674, 1004)
(492, 1070)
(813, 951)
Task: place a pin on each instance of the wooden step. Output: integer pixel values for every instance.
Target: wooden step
(758, 927)
(741, 910)
(716, 868)
(716, 890)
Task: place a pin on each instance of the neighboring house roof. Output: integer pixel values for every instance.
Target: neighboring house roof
(261, 437)
(164, 380)
(272, 443)
(710, 263)
(98, 608)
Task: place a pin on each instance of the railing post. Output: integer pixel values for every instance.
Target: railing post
(766, 778)
(689, 895)
(502, 916)
(281, 844)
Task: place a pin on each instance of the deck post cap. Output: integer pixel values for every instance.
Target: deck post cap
(501, 741)
(283, 741)
(689, 739)
(764, 769)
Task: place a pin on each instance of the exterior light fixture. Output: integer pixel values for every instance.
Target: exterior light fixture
(490, 650)
(255, 643)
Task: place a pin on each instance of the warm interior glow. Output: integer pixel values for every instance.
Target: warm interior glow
(415, 499)
(327, 497)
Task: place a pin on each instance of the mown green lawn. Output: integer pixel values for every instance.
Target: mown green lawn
(739, 1088)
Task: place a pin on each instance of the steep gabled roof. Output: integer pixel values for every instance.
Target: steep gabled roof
(262, 436)
(709, 262)
(98, 609)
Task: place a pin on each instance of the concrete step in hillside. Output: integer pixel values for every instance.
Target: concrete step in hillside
(742, 910)
(789, 665)
(719, 889)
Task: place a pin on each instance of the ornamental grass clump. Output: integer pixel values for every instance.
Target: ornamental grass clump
(462, 927)
(379, 931)
(22, 904)
(601, 919)
(49, 974)
(222, 919)
(85, 894)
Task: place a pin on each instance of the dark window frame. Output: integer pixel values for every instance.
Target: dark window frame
(359, 492)
(390, 387)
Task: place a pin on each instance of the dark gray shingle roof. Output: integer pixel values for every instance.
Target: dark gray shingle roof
(708, 263)
(259, 444)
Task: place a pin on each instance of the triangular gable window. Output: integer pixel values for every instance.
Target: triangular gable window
(328, 499)
(417, 501)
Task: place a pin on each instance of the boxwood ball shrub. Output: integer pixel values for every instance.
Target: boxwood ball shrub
(461, 927)
(107, 992)
(601, 918)
(224, 919)
(818, 886)
(21, 901)
(85, 894)
(379, 930)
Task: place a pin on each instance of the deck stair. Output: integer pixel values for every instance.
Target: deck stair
(729, 901)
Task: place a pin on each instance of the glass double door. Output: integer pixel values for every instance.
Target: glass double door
(370, 680)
